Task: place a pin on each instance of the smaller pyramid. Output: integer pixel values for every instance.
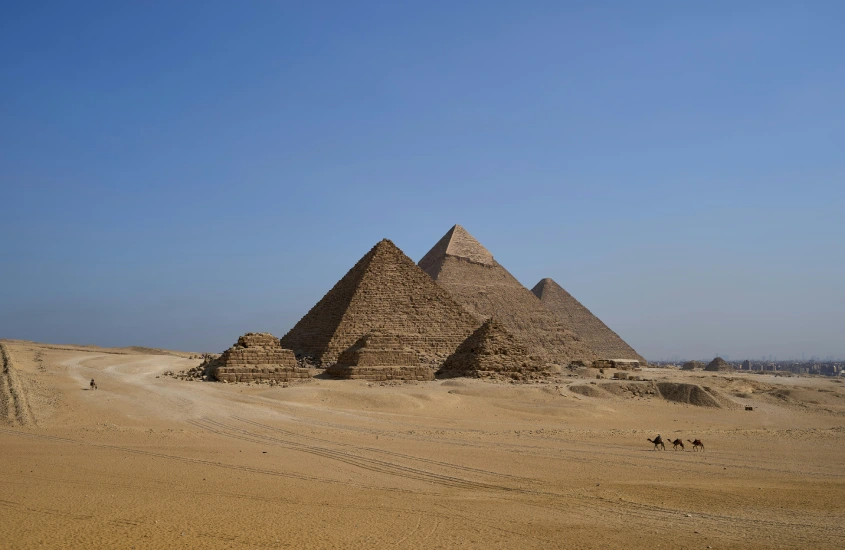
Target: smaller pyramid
(380, 356)
(719, 364)
(606, 343)
(692, 365)
(492, 351)
(257, 356)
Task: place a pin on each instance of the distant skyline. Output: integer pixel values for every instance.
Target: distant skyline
(174, 175)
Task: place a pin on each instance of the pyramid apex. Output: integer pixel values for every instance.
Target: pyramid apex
(458, 243)
(545, 284)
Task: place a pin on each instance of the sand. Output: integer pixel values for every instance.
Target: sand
(149, 461)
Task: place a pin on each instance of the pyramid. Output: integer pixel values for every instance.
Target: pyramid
(692, 365)
(489, 351)
(606, 343)
(380, 356)
(461, 265)
(718, 364)
(384, 291)
(257, 356)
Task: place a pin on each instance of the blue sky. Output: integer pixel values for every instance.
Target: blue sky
(176, 174)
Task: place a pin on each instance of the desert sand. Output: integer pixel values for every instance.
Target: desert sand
(150, 461)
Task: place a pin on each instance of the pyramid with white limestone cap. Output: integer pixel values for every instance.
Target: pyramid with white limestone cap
(465, 268)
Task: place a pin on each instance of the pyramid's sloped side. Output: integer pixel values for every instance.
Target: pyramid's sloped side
(312, 334)
(490, 291)
(606, 343)
(386, 292)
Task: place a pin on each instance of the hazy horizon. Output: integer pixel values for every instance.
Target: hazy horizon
(175, 176)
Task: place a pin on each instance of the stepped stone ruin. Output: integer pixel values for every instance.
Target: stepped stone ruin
(384, 291)
(606, 343)
(491, 351)
(467, 270)
(380, 356)
(719, 364)
(257, 356)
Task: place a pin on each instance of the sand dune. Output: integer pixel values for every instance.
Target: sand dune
(149, 461)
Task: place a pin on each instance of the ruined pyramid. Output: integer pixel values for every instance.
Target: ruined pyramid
(384, 291)
(461, 265)
(606, 343)
(719, 364)
(692, 365)
(490, 351)
(257, 356)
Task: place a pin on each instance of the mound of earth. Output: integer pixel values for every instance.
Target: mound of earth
(587, 390)
(631, 389)
(804, 396)
(692, 394)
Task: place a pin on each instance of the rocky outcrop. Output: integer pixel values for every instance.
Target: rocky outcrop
(384, 291)
(380, 356)
(467, 270)
(257, 356)
(491, 351)
(598, 336)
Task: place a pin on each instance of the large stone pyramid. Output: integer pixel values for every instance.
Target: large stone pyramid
(606, 343)
(385, 291)
(461, 265)
(257, 356)
(490, 351)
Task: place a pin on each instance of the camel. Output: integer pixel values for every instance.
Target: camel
(93, 384)
(696, 444)
(657, 441)
(677, 443)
